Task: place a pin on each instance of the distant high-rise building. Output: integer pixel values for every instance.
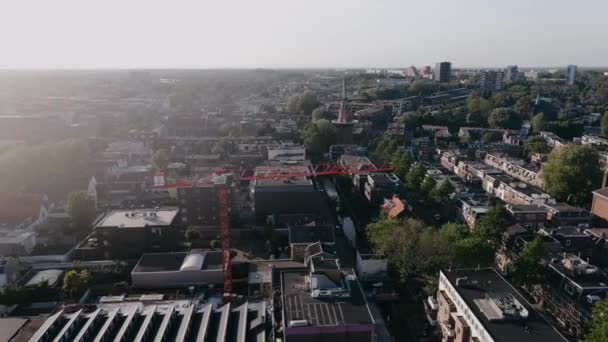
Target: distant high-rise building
(570, 74)
(511, 73)
(427, 72)
(443, 71)
(491, 81)
(412, 72)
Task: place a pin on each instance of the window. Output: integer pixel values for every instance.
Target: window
(568, 243)
(569, 289)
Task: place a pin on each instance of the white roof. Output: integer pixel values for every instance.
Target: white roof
(138, 218)
(193, 262)
(50, 276)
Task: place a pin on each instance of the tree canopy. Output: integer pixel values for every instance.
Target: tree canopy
(492, 225)
(74, 282)
(478, 105)
(52, 163)
(605, 124)
(536, 144)
(441, 193)
(538, 122)
(565, 129)
(598, 330)
(318, 137)
(422, 88)
(160, 160)
(413, 249)
(322, 113)
(81, 210)
(528, 266)
(304, 102)
(572, 173)
(415, 176)
(504, 118)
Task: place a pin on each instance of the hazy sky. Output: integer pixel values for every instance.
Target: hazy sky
(302, 33)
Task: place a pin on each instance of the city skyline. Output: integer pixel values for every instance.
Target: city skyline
(68, 34)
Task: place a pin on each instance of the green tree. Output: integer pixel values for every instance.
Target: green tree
(478, 105)
(292, 103)
(391, 148)
(441, 193)
(398, 241)
(598, 329)
(473, 252)
(44, 164)
(74, 282)
(428, 185)
(536, 144)
(396, 157)
(538, 122)
(523, 105)
(605, 123)
(318, 137)
(214, 244)
(489, 137)
(192, 235)
(565, 129)
(504, 118)
(454, 231)
(500, 99)
(81, 209)
(415, 176)
(492, 225)
(411, 120)
(572, 173)
(447, 236)
(528, 267)
(382, 145)
(160, 160)
(422, 88)
(404, 165)
(304, 102)
(321, 113)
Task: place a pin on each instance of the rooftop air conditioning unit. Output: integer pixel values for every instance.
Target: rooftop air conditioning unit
(298, 323)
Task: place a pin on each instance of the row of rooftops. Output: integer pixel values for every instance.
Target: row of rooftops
(152, 319)
(490, 174)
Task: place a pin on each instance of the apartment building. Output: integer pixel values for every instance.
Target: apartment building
(480, 305)
(516, 168)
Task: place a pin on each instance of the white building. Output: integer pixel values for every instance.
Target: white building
(511, 73)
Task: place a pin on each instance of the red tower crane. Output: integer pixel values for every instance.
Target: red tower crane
(223, 194)
(223, 197)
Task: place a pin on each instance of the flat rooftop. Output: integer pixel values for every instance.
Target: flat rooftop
(138, 218)
(298, 303)
(353, 160)
(276, 175)
(9, 327)
(166, 262)
(158, 320)
(383, 178)
(531, 208)
(533, 329)
(586, 281)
